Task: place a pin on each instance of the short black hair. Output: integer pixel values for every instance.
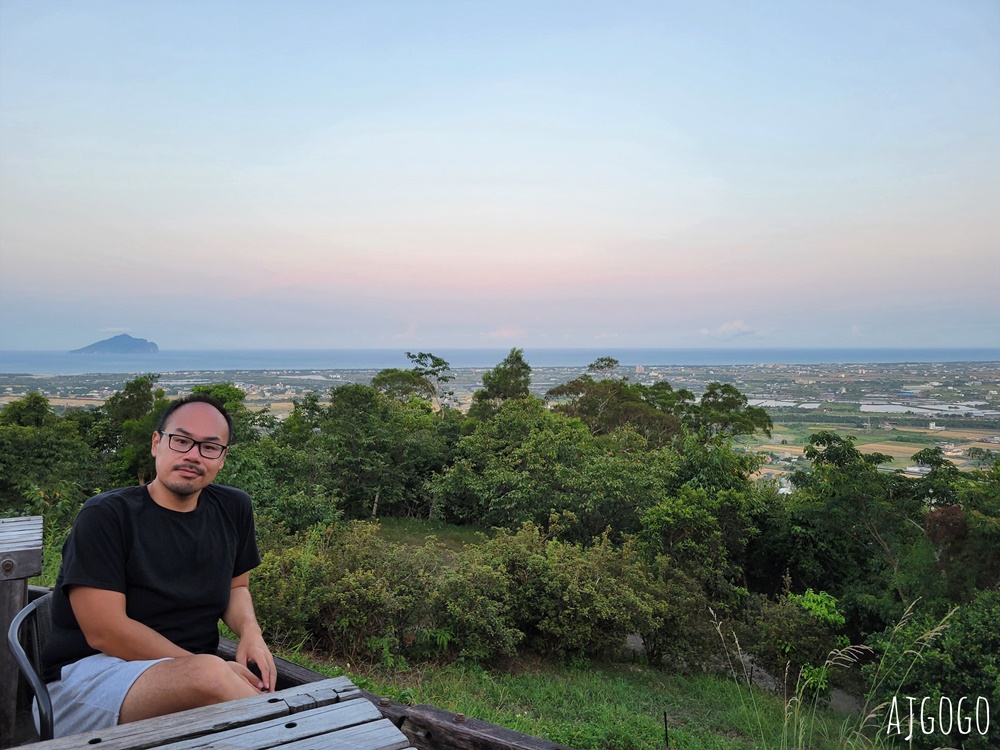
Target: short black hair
(196, 398)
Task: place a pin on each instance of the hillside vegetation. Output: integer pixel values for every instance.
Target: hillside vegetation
(625, 510)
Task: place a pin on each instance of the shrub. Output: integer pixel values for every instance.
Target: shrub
(472, 611)
(923, 658)
(681, 636)
(345, 590)
(572, 599)
(793, 636)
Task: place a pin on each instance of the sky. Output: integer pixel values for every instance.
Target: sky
(216, 174)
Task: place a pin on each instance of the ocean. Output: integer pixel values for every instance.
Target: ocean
(64, 363)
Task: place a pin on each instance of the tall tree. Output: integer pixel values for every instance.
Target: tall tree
(603, 366)
(132, 414)
(853, 527)
(403, 384)
(609, 405)
(373, 452)
(31, 411)
(724, 412)
(247, 425)
(509, 379)
(427, 365)
(134, 401)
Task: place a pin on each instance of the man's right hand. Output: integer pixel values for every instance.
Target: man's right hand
(242, 672)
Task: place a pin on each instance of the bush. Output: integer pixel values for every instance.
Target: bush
(344, 590)
(682, 636)
(793, 635)
(363, 598)
(572, 599)
(922, 658)
(472, 611)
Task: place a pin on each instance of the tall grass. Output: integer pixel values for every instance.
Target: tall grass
(865, 733)
(803, 727)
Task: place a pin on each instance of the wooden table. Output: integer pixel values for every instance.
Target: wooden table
(320, 715)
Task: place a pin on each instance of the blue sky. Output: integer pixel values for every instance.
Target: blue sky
(461, 174)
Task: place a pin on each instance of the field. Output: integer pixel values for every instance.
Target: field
(901, 443)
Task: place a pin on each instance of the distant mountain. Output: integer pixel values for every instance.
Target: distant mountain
(120, 344)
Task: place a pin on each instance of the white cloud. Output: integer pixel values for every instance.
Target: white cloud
(732, 329)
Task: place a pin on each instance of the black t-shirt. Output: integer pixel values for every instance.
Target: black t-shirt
(175, 569)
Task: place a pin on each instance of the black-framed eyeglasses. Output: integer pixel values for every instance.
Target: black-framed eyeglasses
(182, 444)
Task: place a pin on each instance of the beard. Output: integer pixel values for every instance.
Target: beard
(182, 486)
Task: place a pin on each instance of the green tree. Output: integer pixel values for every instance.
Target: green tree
(939, 485)
(724, 412)
(609, 405)
(962, 530)
(403, 384)
(31, 411)
(512, 468)
(247, 425)
(681, 402)
(303, 422)
(371, 451)
(134, 401)
(427, 365)
(950, 657)
(510, 379)
(603, 366)
(853, 527)
(132, 415)
(46, 467)
(526, 463)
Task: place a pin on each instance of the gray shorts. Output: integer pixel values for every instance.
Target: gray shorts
(90, 692)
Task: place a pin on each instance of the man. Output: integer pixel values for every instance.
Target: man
(147, 573)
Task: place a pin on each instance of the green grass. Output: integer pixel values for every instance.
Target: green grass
(589, 705)
(415, 532)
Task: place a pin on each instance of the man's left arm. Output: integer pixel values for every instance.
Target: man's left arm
(241, 619)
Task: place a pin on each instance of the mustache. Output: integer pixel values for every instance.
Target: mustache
(189, 467)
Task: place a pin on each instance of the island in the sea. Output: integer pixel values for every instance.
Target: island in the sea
(120, 344)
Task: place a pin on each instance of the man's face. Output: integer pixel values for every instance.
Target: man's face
(185, 474)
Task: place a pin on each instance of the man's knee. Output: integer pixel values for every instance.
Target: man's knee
(178, 684)
(211, 677)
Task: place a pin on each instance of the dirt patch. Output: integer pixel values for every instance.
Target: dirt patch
(955, 435)
(794, 450)
(76, 401)
(896, 450)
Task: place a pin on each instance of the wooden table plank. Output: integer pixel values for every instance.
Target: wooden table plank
(209, 719)
(375, 735)
(277, 732)
(319, 694)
